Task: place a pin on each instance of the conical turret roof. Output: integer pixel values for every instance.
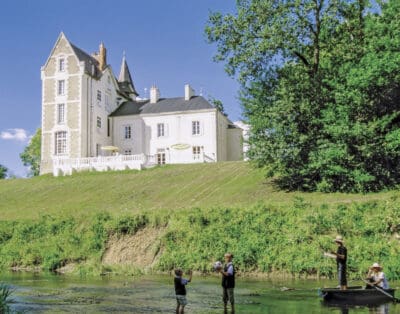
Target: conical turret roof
(125, 81)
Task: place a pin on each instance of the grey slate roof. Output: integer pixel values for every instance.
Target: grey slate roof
(162, 106)
(91, 64)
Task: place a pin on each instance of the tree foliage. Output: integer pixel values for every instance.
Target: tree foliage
(217, 104)
(32, 152)
(320, 89)
(3, 172)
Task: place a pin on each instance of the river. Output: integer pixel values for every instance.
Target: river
(46, 293)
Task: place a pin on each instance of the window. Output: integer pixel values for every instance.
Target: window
(61, 87)
(195, 127)
(99, 95)
(98, 150)
(60, 113)
(61, 143)
(98, 122)
(128, 132)
(108, 127)
(127, 152)
(196, 152)
(61, 65)
(160, 130)
(161, 156)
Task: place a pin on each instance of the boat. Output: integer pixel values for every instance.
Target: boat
(357, 296)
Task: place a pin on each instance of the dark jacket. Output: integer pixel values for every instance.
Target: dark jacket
(228, 282)
(180, 288)
(342, 251)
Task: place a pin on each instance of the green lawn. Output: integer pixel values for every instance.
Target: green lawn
(233, 184)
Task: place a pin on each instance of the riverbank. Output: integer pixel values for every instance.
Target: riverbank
(188, 216)
(266, 240)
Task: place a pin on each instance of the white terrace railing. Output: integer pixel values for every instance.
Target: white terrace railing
(67, 166)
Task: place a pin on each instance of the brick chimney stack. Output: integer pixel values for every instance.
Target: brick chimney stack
(102, 57)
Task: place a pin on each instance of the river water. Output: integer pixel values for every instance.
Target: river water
(46, 293)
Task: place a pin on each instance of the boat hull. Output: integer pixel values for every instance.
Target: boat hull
(357, 296)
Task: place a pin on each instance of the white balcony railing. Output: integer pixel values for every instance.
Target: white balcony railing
(66, 166)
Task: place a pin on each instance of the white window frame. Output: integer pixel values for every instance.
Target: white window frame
(196, 128)
(128, 151)
(161, 156)
(61, 87)
(196, 150)
(160, 129)
(61, 65)
(127, 135)
(98, 122)
(98, 97)
(61, 113)
(60, 143)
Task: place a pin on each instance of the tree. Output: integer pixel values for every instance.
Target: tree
(32, 153)
(315, 90)
(217, 104)
(3, 172)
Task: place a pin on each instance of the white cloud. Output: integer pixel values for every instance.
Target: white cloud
(20, 135)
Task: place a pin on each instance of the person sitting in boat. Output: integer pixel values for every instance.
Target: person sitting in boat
(376, 277)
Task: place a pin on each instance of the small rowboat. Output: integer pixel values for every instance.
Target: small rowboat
(357, 296)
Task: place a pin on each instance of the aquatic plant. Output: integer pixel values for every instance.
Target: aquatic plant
(5, 298)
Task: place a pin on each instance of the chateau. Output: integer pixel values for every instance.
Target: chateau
(93, 121)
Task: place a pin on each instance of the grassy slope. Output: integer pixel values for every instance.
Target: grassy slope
(206, 209)
(233, 184)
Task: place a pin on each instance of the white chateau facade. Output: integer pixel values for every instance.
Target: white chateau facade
(93, 121)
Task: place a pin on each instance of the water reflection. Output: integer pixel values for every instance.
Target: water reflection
(44, 293)
(372, 309)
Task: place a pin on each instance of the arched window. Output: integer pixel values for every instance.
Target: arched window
(61, 143)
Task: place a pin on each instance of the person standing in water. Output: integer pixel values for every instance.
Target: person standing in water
(180, 290)
(228, 282)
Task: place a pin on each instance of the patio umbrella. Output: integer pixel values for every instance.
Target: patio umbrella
(110, 148)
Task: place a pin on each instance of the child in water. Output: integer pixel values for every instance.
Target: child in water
(180, 290)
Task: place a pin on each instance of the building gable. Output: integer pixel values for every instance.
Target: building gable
(61, 46)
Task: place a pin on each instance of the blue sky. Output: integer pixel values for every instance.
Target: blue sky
(164, 43)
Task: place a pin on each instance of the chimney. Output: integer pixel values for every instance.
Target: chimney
(154, 94)
(102, 56)
(189, 92)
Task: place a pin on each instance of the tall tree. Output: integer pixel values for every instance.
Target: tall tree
(32, 152)
(301, 65)
(3, 172)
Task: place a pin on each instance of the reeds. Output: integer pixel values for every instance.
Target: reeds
(5, 298)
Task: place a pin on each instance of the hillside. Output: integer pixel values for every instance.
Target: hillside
(188, 216)
(228, 184)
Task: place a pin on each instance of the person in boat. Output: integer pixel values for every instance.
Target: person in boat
(228, 282)
(341, 259)
(376, 277)
(180, 290)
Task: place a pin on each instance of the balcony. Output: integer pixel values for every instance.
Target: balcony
(67, 166)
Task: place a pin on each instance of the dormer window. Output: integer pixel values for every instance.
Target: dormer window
(61, 65)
